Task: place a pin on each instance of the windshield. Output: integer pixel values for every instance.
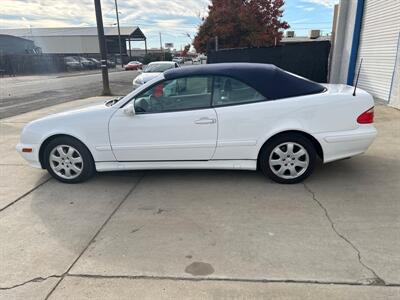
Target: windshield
(158, 68)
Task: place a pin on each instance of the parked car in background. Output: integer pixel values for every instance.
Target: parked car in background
(96, 62)
(133, 65)
(86, 63)
(72, 64)
(152, 70)
(178, 60)
(196, 60)
(237, 116)
(202, 58)
(110, 64)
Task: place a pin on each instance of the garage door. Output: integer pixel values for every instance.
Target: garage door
(378, 46)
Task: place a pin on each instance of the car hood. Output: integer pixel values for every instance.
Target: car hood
(148, 76)
(82, 123)
(74, 114)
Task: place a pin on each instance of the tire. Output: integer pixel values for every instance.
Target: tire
(68, 160)
(289, 167)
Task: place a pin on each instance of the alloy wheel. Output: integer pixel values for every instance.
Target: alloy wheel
(66, 162)
(289, 160)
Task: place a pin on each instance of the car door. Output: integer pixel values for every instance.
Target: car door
(173, 120)
(243, 117)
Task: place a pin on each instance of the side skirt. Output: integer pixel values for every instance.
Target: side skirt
(160, 165)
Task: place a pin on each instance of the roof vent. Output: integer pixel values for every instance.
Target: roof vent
(289, 34)
(314, 33)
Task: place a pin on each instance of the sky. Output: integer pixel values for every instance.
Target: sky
(175, 19)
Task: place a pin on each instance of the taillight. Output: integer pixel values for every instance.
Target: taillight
(366, 117)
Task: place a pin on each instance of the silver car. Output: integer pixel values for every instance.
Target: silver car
(152, 70)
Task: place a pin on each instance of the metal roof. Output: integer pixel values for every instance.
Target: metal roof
(133, 31)
(269, 80)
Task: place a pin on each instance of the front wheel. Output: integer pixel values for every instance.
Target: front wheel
(288, 158)
(68, 160)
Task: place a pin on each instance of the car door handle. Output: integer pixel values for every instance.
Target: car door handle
(205, 120)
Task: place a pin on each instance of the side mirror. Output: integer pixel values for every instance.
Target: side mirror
(129, 109)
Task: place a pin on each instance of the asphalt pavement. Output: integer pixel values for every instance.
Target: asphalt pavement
(202, 234)
(27, 93)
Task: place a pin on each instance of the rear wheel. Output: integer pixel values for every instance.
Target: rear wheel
(288, 158)
(68, 160)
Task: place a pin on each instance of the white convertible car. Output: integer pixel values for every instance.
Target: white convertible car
(222, 116)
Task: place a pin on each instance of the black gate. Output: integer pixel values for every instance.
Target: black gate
(307, 59)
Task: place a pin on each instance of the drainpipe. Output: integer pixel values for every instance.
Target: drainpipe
(356, 42)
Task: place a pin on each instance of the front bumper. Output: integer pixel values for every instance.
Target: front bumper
(31, 157)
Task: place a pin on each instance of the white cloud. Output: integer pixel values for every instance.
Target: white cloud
(174, 18)
(300, 21)
(305, 8)
(326, 3)
(61, 13)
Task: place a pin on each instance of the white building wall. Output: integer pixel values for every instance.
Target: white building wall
(67, 44)
(378, 47)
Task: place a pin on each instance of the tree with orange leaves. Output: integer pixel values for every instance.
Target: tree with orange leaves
(241, 23)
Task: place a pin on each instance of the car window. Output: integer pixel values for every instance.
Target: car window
(229, 91)
(175, 95)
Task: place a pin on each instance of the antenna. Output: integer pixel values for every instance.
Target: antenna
(358, 75)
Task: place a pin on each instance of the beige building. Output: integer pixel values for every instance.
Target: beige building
(78, 40)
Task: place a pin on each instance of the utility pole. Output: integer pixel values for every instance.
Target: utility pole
(216, 43)
(103, 48)
(119, 34)
(161, 48)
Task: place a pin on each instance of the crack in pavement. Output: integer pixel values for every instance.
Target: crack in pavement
(376, 280)
(177, 278)
(227, 279)
(36, 279)
(95, 235)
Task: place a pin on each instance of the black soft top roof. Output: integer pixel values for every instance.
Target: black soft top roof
(269, 80)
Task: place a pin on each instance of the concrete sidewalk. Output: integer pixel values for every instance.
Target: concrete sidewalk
(202, 234)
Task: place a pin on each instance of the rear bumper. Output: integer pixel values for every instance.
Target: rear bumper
(339, 145)
(31, 157)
